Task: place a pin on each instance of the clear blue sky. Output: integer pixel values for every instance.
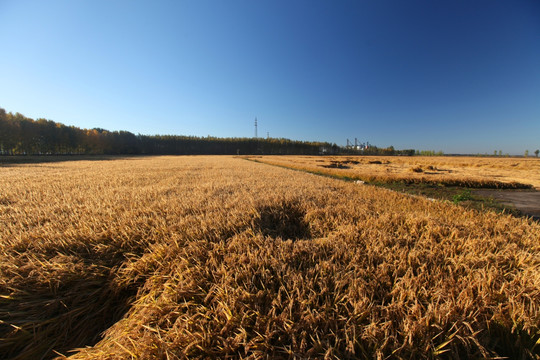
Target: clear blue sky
(451, 75)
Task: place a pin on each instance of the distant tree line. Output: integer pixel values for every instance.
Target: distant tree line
(20, 135)
(429, 153)
(374, 150)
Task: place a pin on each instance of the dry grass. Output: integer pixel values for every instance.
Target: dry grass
(479, 172)
(216, 257)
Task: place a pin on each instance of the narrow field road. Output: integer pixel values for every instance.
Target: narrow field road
(528, 202)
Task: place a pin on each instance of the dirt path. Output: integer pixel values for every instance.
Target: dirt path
(528, 202)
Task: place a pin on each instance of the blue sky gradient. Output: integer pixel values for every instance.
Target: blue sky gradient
(458, 76)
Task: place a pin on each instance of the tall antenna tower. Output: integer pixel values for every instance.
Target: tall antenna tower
(255, 128)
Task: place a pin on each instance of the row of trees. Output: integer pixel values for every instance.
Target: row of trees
(536, 152)
(20, 135)
(526, 154)
(374, 150)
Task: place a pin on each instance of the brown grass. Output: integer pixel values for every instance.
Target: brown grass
(217, 257)
(476, 172)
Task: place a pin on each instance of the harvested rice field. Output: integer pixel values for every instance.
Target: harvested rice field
(477, 172)
(219, 257)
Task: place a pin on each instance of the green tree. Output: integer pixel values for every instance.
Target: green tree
(537, 152)
(526, 153)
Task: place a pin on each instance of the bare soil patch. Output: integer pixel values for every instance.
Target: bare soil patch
(527, 202)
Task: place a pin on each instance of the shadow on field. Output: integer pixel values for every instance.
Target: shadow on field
(41, 324)
(285, 220)
(9, 160)
(512, 342)
(59, 304)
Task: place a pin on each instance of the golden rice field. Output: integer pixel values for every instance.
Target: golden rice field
(219, 257)
(480, 172)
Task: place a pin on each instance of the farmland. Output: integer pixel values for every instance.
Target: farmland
(498, 184)
(219, 257)
(480, 172)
